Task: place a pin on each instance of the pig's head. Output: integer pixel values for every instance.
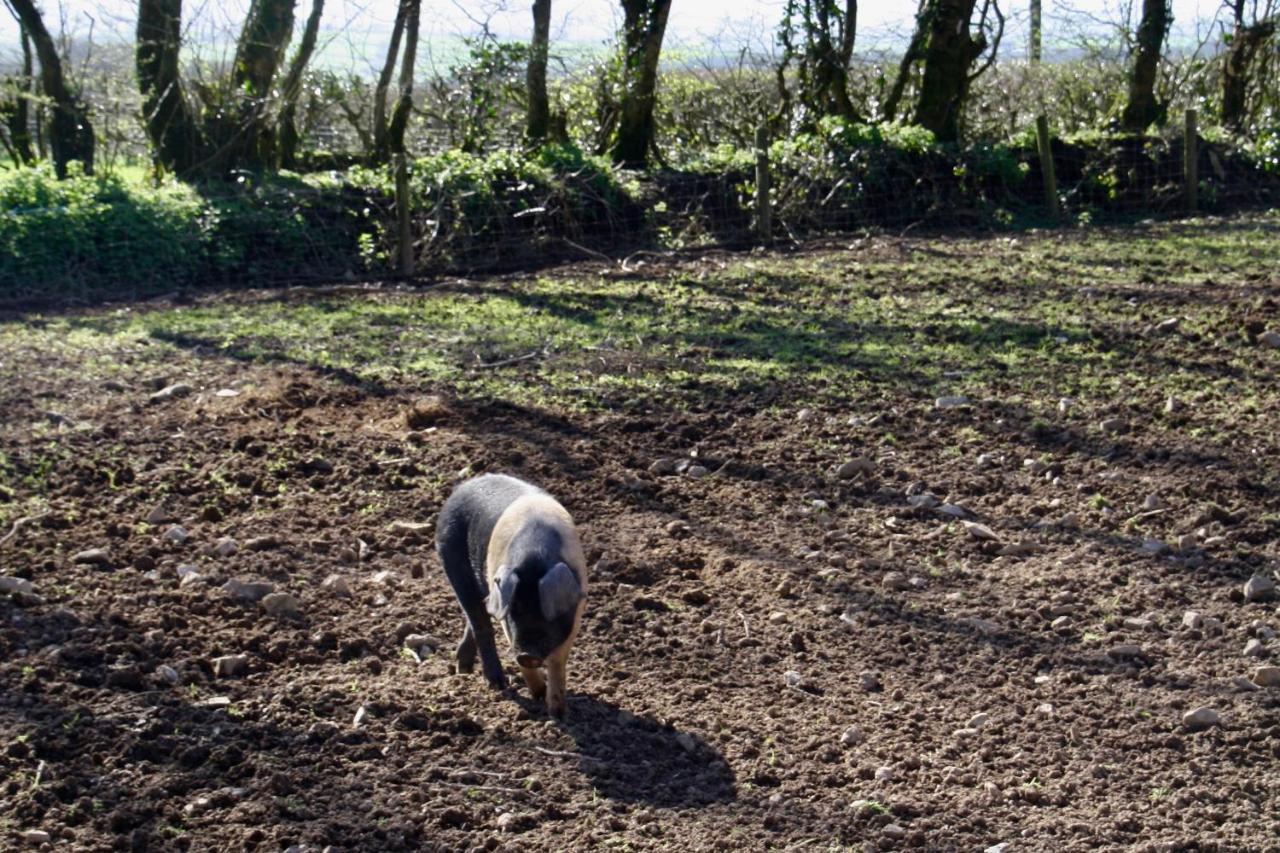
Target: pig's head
(537, 605)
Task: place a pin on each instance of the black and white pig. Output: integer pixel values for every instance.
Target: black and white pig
(512, 554)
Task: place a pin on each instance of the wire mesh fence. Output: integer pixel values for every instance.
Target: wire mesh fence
(512, 209)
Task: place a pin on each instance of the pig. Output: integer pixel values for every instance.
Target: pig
(512, 554)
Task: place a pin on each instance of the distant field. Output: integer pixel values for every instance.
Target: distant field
(903, 542)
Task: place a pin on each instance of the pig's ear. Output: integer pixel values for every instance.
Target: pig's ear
(558, 591)
(502, 591)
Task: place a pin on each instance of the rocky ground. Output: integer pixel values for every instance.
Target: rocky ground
(875, 615)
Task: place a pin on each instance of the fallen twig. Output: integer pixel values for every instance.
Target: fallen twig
(26, 519)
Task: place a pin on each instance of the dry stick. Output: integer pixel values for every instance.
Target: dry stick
(26, 519)
(746, 629)
(592, 252)
(512, 360)
(566, 754)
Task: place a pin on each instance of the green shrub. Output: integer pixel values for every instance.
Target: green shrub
(61, 239)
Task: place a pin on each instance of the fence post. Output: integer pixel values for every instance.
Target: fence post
(404, 231)
(764, 212)
(1190, 160)
(1046, 166)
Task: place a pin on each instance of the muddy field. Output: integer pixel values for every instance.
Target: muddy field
(854, 606)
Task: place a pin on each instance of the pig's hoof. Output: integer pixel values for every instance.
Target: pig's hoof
(558, 709)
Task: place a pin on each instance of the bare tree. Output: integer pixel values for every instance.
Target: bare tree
(914, 53)
(404, 103)
(644, 24)
(70, 133)
(1142, 108)
(539, 117)
(1036, 31)
(170, 124)
(819, 36)
(1248, 36)
(15, 108)
(291, 90)
(949, 56)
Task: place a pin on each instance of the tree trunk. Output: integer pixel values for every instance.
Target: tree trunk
(404, 104)
(259, 53)
(70, 133)
(381, 151)
(644, 23)
(1246, 42)
(17, 114)
(169, 122)
(1033, 48)
(950, 53)
(912, 55)
(539, 118)
(287, 133)
(1142, 110)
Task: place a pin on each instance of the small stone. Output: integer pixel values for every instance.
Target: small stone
(167, 674)
(854, 467)
(171, 392)
(421, 644)
(851, 736)
(663, 467)
(1153, 503)
(225, 547)
(777, 617)
(1254, 649)
(160, 514)
(337, 585)
(785, 588)
(1259, 588)
(1139, 623)
(252, 591)
(896, 581)
(1169, 325)
(980, 531)
(1044, 709)
(417, 528)
(1062, 623)
(425, 412)
(198, 806)
(1172, 405)
(886, 774)
(991, 791)
(175, 535)
(677, 529)
(1243, 684)
(262, 543)
(870, 682)
(951, 401)
(1154, 546)
(226, 392)
(35, 836)
(280, 604)
(893, 830)
(793, 678)
(230, 666)
(1187, 542)
(1201, 718)
(1267, 676)
(925, 500)
(1125, 650)
(1113, 426)
(979, 721)
(697, 472)
(1192, 620)
(1271, 339)
(953, 510)
(687, 742)
(362, 714)
(21, 586)
(92, 557)
(965, 733)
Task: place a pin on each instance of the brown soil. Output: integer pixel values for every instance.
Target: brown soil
(686, 730)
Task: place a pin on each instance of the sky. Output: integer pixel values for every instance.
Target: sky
(355, 30)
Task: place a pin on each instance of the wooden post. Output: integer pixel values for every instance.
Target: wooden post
(1046, 166)
(404, 230)
(1191, 160)
(764, 212)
